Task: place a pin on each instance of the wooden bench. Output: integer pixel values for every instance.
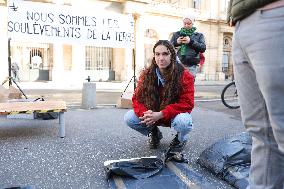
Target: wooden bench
(36, 107)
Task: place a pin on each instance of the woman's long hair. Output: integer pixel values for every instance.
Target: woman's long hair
(148, 93)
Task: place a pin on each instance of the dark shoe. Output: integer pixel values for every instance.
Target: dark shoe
(154, 137)
(176, 145)
(175, 141)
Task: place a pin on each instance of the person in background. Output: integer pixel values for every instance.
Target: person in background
(164, 97)
(15, 71)
(190, 43)
(258, 46)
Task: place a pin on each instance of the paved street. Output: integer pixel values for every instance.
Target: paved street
(31, 152)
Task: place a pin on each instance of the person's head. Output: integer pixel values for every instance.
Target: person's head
(164, 58)
(188, 21)
(164, 55)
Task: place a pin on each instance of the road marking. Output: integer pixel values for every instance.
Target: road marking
(182, 176)
(119, 182)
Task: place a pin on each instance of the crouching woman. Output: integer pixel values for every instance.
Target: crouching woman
(164, 97)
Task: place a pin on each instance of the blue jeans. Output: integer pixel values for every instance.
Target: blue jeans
(182, 124)
(258, 48)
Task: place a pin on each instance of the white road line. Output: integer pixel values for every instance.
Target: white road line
(119, 182)
(182, 176)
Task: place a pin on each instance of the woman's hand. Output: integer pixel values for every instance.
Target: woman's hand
(150, 118)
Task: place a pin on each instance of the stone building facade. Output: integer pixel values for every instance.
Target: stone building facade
(154, 20)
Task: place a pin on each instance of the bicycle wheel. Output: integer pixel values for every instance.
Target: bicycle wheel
(229, 96)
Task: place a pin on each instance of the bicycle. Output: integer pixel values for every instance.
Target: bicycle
(229, 96)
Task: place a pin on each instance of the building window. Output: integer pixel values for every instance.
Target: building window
(3, 3)
(150, 33)
(36, 59)
(227, 43)
(98, 58)
(225, 62)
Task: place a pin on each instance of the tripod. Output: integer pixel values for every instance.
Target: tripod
(11, 79)
(135, 16)
(134, 79)
(134, 73)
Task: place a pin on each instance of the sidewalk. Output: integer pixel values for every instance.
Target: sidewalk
(107, 93)
(100, 86)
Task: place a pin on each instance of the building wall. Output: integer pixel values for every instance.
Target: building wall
(4, 42)
(121, 70)
(68, 61)
(210, 20)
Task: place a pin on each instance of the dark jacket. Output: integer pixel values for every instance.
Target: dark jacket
(239, 9)
(196, 46)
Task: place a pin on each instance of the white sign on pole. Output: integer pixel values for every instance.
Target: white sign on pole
(52, 23)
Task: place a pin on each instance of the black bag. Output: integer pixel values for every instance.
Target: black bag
(139, 168)
(47, 115)
(230, 159)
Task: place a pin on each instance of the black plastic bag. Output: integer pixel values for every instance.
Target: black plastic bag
(144, 167)
(139, 168)
(230, 159)
(45, 115)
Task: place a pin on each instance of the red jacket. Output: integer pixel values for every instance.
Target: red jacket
(184, 104)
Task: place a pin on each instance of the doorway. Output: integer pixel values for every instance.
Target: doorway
(34, 60)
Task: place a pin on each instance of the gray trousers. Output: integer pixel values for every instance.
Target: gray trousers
(258, 55)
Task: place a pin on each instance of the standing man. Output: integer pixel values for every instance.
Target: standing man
(258, 47)
(190, 44)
